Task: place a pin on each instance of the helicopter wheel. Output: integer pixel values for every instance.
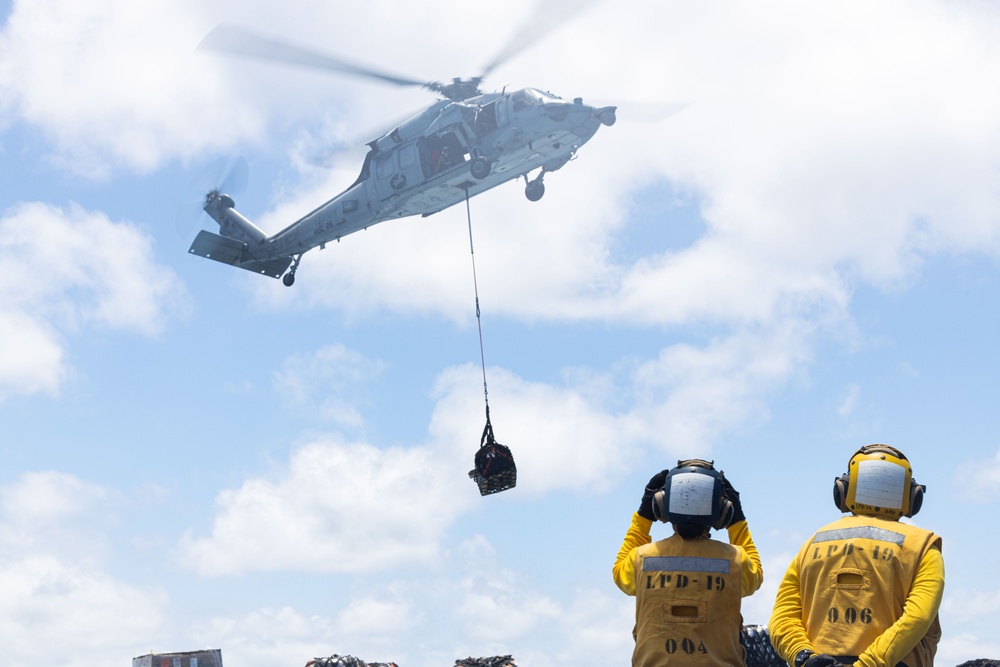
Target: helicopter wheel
(289, 278)
(480, 168)
(534, 190)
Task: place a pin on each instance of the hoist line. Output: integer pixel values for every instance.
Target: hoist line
(479, 321)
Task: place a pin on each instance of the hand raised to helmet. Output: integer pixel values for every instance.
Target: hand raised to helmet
(655, 484)
(733, 496)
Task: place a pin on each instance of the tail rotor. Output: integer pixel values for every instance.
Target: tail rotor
(225, 175)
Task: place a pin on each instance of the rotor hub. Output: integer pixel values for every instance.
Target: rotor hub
(459, 89)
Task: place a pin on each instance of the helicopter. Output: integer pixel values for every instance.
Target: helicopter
(465, 143)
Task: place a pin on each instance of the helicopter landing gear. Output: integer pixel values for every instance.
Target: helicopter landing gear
(534, 189)
(480, 168)
(289, 278)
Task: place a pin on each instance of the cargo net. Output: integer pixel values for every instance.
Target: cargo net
(495, 470)
(755, 639)
(757, 644)
(346, 661)
(495, 661)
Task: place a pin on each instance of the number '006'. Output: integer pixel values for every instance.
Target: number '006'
(850, 615)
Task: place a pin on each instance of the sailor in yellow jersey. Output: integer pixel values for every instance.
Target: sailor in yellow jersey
(864, 589)
(688, 587)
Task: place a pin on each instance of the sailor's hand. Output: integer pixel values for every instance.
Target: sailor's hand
(822, 660)
(655, 484)
(733, 496)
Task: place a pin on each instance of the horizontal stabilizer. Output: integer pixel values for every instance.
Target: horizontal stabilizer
(231, 251)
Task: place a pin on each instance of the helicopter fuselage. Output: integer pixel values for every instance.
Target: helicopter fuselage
(450, 151)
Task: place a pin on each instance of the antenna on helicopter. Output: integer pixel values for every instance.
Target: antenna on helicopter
(494, 469)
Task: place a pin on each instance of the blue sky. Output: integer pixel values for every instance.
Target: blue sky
(802, 261)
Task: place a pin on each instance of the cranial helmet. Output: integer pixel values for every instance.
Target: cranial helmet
(693, 493)
(878, 482)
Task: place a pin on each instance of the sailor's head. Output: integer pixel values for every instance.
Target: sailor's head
(878, 482)
(692, 499)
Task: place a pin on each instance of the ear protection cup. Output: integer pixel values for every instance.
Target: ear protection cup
(916, 497)
(840, 486)
(658, 509)
(726, 512)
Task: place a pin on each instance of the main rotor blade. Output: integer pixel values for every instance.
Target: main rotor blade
(648, 112)
(545, 18)
(230, 39)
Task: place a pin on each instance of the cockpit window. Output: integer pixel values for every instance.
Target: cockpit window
(522, 99)
(547, 97)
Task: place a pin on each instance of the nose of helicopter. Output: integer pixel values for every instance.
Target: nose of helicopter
(580, 112)
(607, 115)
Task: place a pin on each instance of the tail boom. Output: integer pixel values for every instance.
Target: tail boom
(234, 252)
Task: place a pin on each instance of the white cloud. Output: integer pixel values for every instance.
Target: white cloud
(966, 606)
(507, 611)
(117, 83)
(957, 648)
(57, 599)
(56, 514)
(329, 382)
(595, 626)
(497, 603)
(756, 609)
(367, 616)
(268, 637)
(54, 607)
(63, 270)
(41, 498)
(334, 498)
(484, 607)
(31, 359)
(981, 480)
(850, 402)
(690, 395)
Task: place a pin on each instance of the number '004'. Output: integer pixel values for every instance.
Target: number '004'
(686, 645)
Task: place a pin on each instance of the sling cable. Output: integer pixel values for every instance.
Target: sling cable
(494, 469)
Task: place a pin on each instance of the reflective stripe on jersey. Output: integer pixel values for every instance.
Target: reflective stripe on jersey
(860, 532)
(684, 564)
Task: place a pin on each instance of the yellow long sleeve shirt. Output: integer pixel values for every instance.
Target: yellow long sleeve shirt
(751, 572)
(898, 616)
(688, 601)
